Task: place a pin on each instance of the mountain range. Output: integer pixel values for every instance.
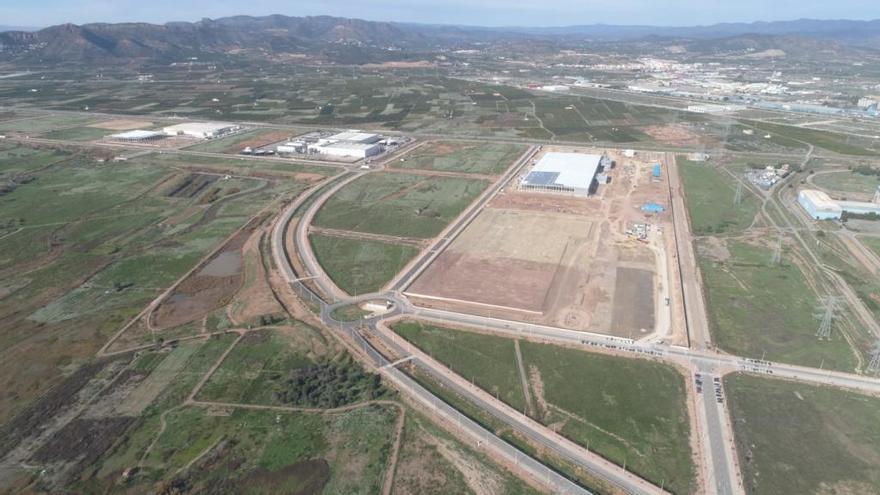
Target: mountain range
(358, 41)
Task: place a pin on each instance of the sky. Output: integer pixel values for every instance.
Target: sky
(39, 13)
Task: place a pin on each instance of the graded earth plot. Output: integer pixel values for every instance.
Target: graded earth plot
(627, 410)
(398, 204)
(461, 156)
(596, 263)
(793, 438)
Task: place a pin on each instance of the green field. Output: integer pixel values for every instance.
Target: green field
(16, 159)
(629, 411)
(709, 194)
(77, 134)
(45, 123)
(831, 141)
(236, 165)
(847, 182)
(360, 267)
(85, 246)
(452, 156)
(230, 144)
(873, 243)
(296, 368)
(399, 204)
(759, 309)
(799, 439)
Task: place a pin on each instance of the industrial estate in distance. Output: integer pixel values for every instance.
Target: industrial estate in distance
(332, 256)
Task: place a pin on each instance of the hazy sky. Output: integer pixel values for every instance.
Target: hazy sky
(472, 12)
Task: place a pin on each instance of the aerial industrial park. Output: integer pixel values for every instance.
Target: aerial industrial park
(331, 256)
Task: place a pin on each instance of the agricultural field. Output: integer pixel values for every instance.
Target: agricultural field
(240, 166)
(709, 193)
(360, 266)
(85, 246)
(760, 309)
(237, 142)
(44, 123)
(268, 367)
(464, 157)
(77, 134)
(831, 141)
(847, 182)
(779, 426)
(629, 411)
(398, 204)
(873, 243)
(16, 159)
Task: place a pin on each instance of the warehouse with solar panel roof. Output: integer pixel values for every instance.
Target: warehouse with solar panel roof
(572, 173)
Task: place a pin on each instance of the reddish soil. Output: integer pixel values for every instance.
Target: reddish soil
(258, 141)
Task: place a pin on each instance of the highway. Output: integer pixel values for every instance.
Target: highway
(720, 471)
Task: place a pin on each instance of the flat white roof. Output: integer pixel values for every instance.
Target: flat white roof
(574, 170)
(136, 134)
(820, 200)
(355, 136)
(347, 145)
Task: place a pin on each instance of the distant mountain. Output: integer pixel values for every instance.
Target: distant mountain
(18, 28)
(355, 41)
(866, 33)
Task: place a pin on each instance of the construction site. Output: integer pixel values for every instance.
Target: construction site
(602, 262)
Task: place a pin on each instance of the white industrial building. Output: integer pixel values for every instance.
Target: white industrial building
(346, 149)
(820, 206)
(201, 130)
(137, 136)
(347, 144)
(354, 137)
(563, 172)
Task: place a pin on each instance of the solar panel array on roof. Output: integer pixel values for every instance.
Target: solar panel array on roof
(538, 178)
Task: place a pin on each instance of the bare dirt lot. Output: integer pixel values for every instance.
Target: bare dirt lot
(563, 260)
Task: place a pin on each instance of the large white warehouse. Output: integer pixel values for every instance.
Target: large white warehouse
(201, 130)
(347, 149)
(820, 206)
(563, 172)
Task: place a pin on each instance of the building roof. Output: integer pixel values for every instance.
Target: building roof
(354, 136)
(347, 145)
(572, 170)
(820, 201)
(136, 134)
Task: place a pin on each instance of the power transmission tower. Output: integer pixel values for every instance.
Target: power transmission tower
(777, 252)
(826, 310)
(738, 197)
(874, 365)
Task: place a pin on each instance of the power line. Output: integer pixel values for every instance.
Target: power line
(777, 253)
(874, 365)
(825, 313)
(738, 197)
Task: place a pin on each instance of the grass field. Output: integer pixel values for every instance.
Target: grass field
(629, 411)
(796, 439)
(77, 134)
(275, 368)
(831, 141)
(758, 309)
(873, 243)
(16, 159)
(847, 181)
(232, 144)
(360, 267)
(452, 156)
(709, 194)
(399, 204)
(237, 165)
(488, 360)
(85, 246)
(38, 125)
